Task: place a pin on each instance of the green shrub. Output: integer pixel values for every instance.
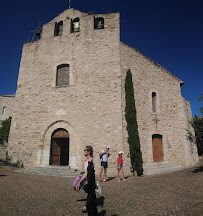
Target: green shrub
(5, 129)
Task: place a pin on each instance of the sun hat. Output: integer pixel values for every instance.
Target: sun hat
(120, 152)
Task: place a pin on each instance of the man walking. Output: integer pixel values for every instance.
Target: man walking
(104, 162)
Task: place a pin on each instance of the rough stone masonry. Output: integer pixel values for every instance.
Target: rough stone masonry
(70, 94)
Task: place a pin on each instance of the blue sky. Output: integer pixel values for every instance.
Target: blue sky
(169, 32)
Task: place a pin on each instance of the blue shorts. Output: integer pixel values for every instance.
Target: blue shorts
(120, 166)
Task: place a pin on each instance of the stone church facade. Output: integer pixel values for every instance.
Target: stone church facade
(70, 94)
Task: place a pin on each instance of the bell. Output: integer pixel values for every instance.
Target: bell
(99, 24)
(38, 33)
(76, 26)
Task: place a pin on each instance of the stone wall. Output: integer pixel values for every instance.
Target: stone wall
(2, 152)
(89, 108)
(150, 77)
(191, 156)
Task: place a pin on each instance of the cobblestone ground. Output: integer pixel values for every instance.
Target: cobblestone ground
(179, 193)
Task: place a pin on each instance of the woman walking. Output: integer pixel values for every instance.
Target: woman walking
(89, 188)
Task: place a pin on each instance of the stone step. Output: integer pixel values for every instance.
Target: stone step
(63, 171)
(163, 167)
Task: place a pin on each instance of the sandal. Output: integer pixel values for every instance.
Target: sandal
(84, 209)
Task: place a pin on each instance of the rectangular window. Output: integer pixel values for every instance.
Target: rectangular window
(4, 111)
(62, 76)
(98, 23)
(75, 25)
(58, 28)
(153, 102)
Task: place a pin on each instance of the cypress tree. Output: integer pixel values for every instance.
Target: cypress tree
(132, 127)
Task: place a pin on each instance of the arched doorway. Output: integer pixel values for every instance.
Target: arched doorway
(59, 151)
(158, 155)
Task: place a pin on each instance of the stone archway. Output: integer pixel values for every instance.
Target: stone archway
(75, 159)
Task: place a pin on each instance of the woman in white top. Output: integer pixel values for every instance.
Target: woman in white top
(89, 188)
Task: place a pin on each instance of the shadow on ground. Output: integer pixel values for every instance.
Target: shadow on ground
(82, 200)
(198, 169)
(110, 178)
(100, 202)
(102, 213)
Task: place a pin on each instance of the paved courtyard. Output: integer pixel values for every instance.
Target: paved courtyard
(179, 193)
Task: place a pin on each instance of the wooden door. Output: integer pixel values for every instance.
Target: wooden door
(64, 151)
(56, 153)
(157, 149)
(59, 151)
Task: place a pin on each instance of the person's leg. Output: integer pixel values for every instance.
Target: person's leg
(118, 175)
(105, 171)
(100, 173)
(122, 173)
(91, 204)
(84, 209)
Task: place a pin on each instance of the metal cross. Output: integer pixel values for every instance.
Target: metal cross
(69, 5)
(156, 120)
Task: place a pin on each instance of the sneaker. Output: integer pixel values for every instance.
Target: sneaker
(118, 180)
(124, 180)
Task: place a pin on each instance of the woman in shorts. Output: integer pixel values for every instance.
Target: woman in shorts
(120, 165)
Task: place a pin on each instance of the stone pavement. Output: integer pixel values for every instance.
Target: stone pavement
(179, 193)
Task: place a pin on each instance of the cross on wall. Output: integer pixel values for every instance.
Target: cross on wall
(156, 120)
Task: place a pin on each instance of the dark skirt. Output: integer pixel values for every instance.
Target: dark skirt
(90, 190)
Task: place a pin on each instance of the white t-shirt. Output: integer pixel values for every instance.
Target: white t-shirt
(86, 164)
(104, 157)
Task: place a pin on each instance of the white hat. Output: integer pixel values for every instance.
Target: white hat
(120, 152)
(107, 147)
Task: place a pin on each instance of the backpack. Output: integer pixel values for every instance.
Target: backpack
(100, 157)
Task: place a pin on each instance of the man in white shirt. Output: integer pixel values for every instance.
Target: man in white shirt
(104, 162)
